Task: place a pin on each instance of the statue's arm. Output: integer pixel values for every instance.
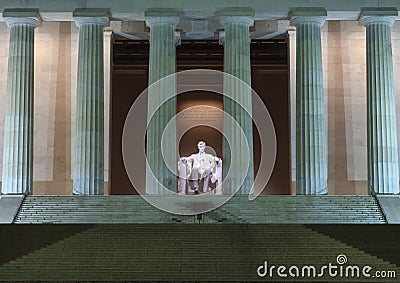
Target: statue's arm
(187, 161)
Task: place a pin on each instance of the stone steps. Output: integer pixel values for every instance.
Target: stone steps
(265, 209)
(163, 252)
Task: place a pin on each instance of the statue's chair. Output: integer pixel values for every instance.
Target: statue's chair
(188, 180)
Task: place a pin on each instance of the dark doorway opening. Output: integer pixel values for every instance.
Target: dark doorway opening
(270, 79)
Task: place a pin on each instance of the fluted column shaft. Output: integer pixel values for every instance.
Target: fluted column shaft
(88, 166)
(311, 141)
(17, 175)
(383, 170)
(239, 104)
(161, 64)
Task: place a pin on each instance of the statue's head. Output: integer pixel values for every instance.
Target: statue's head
(201, 145)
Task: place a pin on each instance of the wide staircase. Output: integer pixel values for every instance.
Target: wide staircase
(124, 238)
(263, 210)
(174, 252)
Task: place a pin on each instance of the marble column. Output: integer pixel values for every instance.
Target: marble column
(162, 63)
(17, 176)
(311, 140)
(383, 168)
(88, 165)
(236, 40)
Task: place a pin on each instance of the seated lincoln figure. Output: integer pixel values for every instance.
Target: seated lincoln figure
(199, 167)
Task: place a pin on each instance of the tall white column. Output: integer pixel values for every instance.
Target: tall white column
(162, 63)
(311, 140)
(17, 175)
(237, 63)
(108, 42)
(88, 166)
(383, 168)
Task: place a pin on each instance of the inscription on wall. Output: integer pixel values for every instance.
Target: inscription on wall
(203, 114)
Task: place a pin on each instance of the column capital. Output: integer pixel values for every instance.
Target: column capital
(29, 17)
(93, 16)
(378, 15)
(300, 16)
(237, 15)
(161, 16)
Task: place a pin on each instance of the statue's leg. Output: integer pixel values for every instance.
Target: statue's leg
(218, 190)
(190, 186)
(195, 179)
(182, 178)
(206, 181)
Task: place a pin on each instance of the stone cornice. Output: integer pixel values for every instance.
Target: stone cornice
(134, 10)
